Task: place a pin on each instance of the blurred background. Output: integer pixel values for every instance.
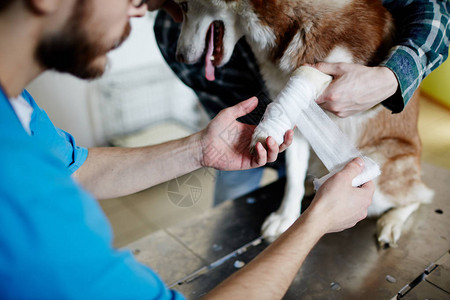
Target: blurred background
(140, 101)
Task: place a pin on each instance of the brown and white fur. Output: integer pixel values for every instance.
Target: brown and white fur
(284, 35)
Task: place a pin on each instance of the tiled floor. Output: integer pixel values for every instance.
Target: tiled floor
(138, 215)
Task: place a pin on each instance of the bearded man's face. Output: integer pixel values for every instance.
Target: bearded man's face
(78, 49)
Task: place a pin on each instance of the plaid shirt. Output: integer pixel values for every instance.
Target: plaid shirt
(422, 45)
(423, 31)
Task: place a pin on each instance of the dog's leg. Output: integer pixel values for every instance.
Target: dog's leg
(304, 86)
(297, 156)
(399, 187)
(390, 225)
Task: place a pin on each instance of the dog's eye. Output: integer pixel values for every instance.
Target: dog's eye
(184, 6)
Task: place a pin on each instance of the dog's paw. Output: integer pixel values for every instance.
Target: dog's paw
(259, 135)
(276, 224)
(389, 231)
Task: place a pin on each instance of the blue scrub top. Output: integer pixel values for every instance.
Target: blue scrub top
(55, 241)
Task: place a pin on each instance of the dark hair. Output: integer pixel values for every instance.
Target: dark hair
(5, 3)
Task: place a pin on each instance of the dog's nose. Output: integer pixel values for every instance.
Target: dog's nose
(180, 58)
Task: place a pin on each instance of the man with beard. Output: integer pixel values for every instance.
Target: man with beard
(55, 242)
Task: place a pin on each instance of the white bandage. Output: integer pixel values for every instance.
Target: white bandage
(304, 86)
(296, 106)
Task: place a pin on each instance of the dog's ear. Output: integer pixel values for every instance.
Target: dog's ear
(44, 6)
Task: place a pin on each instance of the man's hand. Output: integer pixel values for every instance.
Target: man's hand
(355, 88)
(226, 142)
(168, 5)
(337, 205)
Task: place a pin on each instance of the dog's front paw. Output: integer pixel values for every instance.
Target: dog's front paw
(276, 224)
(389, 230)
(259, 135)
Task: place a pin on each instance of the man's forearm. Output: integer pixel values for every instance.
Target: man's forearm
(270, 274)
(114, 172)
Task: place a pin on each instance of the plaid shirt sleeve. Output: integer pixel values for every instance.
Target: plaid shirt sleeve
(422, 44)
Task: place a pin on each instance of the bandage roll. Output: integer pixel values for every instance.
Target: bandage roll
(371, 171)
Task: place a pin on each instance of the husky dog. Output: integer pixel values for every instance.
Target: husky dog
(284, 35)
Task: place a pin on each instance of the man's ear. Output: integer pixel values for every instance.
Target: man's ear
(43, 6)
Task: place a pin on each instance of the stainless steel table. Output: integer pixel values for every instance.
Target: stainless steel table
(195, 256)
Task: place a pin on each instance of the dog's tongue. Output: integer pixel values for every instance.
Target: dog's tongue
(209, 68)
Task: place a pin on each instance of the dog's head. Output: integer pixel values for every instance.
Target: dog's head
(210, 27)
